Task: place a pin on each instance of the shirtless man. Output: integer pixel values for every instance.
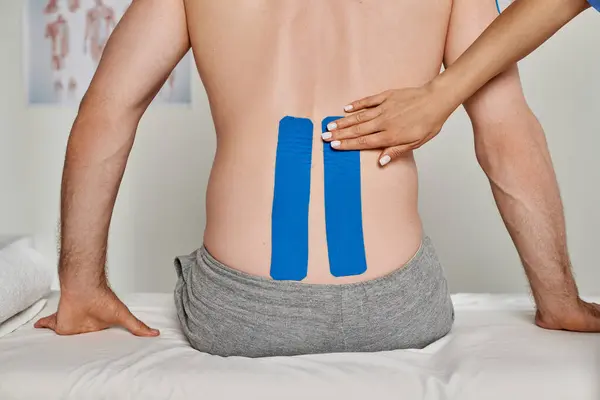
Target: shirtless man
(306, 249)
(99, 24)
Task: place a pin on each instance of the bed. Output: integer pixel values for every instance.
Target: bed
(493, 352)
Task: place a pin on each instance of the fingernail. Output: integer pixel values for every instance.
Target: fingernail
(332, 126)
(326, 135)
(385, 160)
(349, 107)
(335, 144)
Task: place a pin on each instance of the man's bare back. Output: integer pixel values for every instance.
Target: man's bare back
(263, 61)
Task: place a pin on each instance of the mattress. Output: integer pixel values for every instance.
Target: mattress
(493, 352)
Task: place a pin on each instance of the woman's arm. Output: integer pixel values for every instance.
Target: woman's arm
(518, 31)
(403, 120)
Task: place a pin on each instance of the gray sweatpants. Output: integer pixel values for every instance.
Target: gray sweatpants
(230, 313)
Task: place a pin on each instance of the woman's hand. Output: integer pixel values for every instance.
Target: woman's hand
(397, 121)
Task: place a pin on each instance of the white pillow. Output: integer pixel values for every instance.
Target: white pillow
(25, 278)
(17, 321)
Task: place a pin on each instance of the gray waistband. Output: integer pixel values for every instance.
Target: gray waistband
(205, 260)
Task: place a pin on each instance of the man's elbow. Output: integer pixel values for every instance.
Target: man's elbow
(102, 111)
(101, 131)
(504, 141)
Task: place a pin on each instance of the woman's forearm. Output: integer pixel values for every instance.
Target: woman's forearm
(413, 116)
(518, 31)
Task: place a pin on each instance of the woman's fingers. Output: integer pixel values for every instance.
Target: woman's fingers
(398, 121)
(355, 119)
(393, 153)
(373, 141)
(367, 102)
(366, 128)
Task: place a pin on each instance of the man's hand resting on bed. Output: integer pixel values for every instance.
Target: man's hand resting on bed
(578, 317)
(93, 311)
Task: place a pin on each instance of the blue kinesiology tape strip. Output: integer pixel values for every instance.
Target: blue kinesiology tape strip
(502, 5)
(343, 210)
(289, 220)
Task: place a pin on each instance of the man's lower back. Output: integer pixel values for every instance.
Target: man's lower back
(280, 202)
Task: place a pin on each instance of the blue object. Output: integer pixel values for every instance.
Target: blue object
(498, 7)
(595, 4)
(289, 220)
(343, 210)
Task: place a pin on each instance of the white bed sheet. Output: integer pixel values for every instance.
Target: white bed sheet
(493, 352)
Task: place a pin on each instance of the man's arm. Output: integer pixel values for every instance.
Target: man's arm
(512, 150)
(147, 44)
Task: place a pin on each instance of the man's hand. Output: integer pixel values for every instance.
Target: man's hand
(396, 121)
(581, 317)
(93, 311)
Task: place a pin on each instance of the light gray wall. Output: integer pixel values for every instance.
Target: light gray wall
(160, 210)
(14, 211)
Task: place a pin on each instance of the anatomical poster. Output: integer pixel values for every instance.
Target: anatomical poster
(64, 41)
